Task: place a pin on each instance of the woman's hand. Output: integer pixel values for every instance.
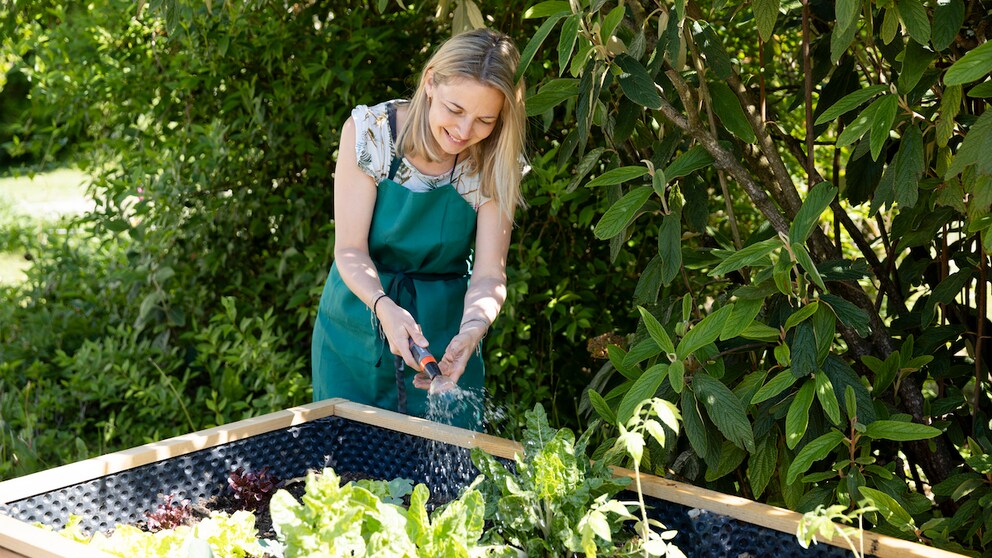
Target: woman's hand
(399, 327)
(460, 349)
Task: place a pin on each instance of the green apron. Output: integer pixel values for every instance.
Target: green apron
(421, 244)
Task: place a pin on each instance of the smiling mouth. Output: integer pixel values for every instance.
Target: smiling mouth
(452, 138)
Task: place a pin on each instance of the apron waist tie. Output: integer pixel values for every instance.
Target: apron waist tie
(403, 282)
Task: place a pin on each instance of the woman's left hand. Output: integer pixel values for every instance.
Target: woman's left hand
(460, 349)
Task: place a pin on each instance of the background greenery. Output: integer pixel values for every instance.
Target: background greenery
(774, 214)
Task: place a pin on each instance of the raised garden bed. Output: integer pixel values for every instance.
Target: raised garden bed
(119, 488)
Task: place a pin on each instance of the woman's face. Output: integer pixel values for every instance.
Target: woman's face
(462, 112)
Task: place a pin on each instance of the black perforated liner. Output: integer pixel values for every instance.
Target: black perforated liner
(358, 448)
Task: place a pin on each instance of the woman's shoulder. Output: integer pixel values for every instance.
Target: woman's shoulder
(373, 141)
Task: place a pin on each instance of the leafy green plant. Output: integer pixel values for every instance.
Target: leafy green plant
(356, 519)
(220, 535)
(554, 501)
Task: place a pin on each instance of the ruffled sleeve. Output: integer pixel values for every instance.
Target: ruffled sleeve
(373, 144)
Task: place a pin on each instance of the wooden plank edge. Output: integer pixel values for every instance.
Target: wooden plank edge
(423, 428)
(779, 519)
(89, 469)
(19, 539)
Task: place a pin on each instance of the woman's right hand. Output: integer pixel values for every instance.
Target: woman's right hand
(399, 327)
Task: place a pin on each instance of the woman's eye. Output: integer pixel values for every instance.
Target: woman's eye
(453, 111)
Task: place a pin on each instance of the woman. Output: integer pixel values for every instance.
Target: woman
(415, 183)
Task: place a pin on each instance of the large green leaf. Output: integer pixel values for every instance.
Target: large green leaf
(974, 148)
(881, 123)
(601, 407)
(781, 382)
(827, 398)
(801, 314)
(724, 409)
(747, 255)
(816, 202)
(644, 388)
(670, 246)
(765, 14)
(915, 60)
(797, 419)
(857, 128)
(728, 108)
(542, 33)
(947, 19)
(813, 452)
(890, 508)
(914, 16)
(622, 213)
(847, 12)
(745, 311)
(657, 331)
(704, 332)
(545, 9)
(843, 376)
(900, 431)
(551, 95)
(806, 262)
(692, 160)
(848, 314)
(972, 66)
(849, 102)
(944, 293)
(761, 465)
(803, 350)
(618, 176)
(636, 83)
(731, 458)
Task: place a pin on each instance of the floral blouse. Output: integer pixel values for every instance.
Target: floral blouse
(375, 150)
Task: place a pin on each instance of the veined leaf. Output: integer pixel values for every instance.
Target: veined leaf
(611, 21)
(622, 213)
(636, 83)
(881, 123)
(848, 314)
(900, 431)
(745, 311)
(641, 351)
(816, 202)
(676, 375)
(801, 315)
(813, 452)
(670, 246)
(849, 102)
(731, 458)
(828, 399)
(747, 255)
(914, 16)
(728, 108)
(765, 14)
(781, 382)
(947, 19)
(847, 12)
(915, 60)
(944, 293)
(589, 160)
(644, 388)
(618, 176)
(551, 95)
(806, 262)
(725, 410)
(863, 122)
(758, 331)
(803, 350)
(545, 9)
(797, 420)
(692, 160)
(974, 148)
(890, 508)
(761, 464)
(657, 331)
(602, 407)
(703, 333)
(538, 39)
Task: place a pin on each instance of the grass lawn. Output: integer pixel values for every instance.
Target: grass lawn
(34, 204)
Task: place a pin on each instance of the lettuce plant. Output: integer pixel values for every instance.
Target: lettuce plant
(365, 519)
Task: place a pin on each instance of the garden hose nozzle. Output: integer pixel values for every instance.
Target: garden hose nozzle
(428, 365)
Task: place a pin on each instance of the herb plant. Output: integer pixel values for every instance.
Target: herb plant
(556, 502)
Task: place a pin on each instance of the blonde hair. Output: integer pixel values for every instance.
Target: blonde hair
(490, 58)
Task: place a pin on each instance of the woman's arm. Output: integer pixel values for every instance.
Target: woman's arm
(486, 292)
(354, 202)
